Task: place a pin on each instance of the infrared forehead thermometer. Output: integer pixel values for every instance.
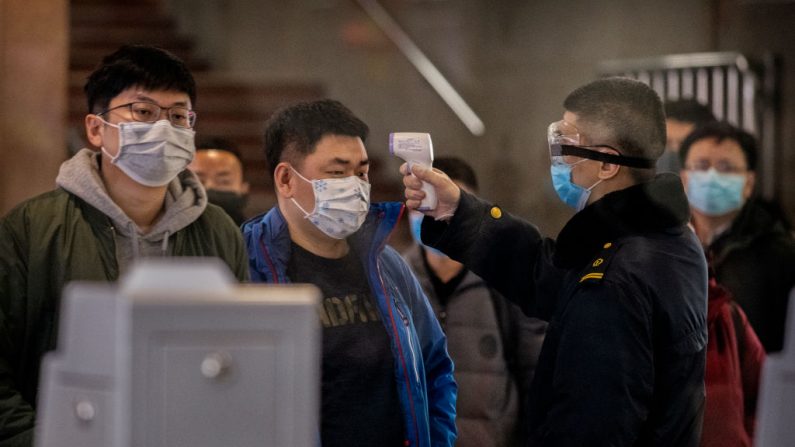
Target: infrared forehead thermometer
(415, 147)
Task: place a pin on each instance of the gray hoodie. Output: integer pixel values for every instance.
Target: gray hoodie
(185, 202)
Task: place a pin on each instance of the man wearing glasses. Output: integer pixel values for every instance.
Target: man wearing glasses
(747, 240)
(133, 198)
(623, 286)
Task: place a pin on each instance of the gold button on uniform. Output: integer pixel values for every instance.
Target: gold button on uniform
(496, 212)
(608, 245)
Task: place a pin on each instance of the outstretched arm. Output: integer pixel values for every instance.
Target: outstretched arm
(507, 252)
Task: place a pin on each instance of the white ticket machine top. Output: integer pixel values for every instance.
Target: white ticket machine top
(178, 354)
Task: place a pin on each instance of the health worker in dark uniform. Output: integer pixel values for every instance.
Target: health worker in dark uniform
(624, 286)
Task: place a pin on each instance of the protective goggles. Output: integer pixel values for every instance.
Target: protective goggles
(564, 142)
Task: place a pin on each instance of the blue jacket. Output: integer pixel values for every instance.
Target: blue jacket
(426, 387)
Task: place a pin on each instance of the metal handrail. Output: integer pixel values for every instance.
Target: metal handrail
(424, 66)
(676, 61)
(739, 90)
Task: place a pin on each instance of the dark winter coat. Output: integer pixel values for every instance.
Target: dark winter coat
(755, 260)
(624, 288)
(47, 242)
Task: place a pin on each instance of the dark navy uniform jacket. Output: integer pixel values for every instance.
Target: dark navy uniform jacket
(624, 288)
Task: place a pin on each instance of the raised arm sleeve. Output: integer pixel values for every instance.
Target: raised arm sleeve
(507, 252)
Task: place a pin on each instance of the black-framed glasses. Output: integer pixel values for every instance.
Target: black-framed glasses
(722, 166)
(147, 112)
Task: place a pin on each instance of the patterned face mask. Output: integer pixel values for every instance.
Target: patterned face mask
(341, 205)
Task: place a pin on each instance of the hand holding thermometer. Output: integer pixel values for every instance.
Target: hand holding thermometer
(415, 147)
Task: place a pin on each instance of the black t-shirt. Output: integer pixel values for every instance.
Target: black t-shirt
(359, 401)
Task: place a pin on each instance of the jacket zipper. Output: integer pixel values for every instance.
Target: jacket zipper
(268, 260)
(411, 345)
(400, 349)
(112, 230)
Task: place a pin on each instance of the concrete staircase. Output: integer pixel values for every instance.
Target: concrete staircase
(228, 108)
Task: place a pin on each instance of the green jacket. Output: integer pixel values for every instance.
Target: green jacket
(45, 243)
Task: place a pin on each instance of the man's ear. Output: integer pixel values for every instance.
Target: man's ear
(684, 177)
(750, 181)
(283, 180)
(93, 129)
(609, 170)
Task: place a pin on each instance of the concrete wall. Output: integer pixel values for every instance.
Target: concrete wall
(761, 27)
(513, 61)
(33, 61)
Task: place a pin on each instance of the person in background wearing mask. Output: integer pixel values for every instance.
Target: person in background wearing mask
(131, 199)
(387, 379)
(220, 169)
(624, 285)
(681, 117)
(494, 346)
(748, 242)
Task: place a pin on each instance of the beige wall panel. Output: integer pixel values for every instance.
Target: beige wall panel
(33, 74)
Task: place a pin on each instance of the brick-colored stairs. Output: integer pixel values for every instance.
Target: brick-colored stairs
(225, 107)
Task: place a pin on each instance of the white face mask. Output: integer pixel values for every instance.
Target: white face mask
(341, 205)
(153, 154)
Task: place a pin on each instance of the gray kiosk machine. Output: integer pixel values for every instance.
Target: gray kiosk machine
(178, 354)
(775, 414)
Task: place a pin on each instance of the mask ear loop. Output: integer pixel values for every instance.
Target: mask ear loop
(584, 197)
(602, 180)
(595, 184)
(306, 215)
(111, 157)
(102, 148)
(577, 162)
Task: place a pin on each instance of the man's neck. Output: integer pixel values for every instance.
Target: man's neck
(142, 204)
(443, 267)
(708, 227)
(611, 185)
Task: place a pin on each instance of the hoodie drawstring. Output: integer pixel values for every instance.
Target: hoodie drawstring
(134, 234)
(164, 246)
(136, 240)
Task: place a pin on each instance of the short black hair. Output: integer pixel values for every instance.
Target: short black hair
(721, 131)
(293, 131)
(218, 143)
(143, 66)
(689, 111)
(629, 110)
(458, 170)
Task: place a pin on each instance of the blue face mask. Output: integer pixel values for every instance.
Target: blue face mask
(415, 220)
(573, 195)
(714, 193)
